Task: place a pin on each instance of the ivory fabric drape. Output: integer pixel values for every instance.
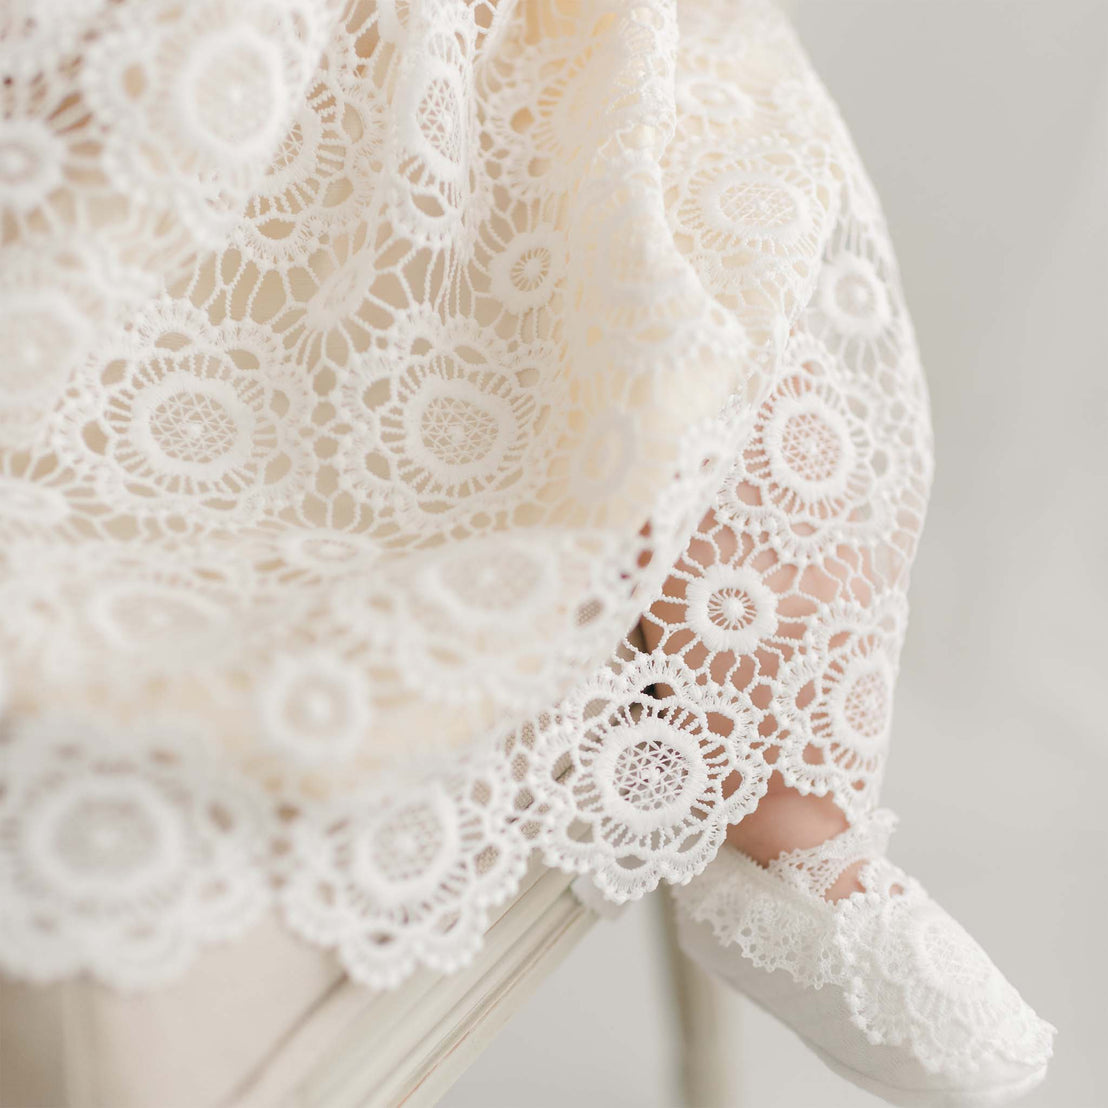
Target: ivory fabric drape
(369, 369)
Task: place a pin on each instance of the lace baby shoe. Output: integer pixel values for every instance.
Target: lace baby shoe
(883, 985)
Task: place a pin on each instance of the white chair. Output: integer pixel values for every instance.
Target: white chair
(269, 1022)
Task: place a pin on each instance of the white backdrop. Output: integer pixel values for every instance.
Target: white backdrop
(984, 124)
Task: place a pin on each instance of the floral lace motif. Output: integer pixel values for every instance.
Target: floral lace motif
(121, 853)
(370, 369)
(908, 973)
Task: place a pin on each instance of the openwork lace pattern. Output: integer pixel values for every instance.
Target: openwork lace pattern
(430, 433)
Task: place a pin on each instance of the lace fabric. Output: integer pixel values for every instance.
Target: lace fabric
(371, 368)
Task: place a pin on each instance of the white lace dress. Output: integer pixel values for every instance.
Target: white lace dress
(369, 370)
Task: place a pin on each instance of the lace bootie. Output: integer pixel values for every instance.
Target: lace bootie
(883, 985)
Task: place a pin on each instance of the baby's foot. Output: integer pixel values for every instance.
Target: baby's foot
(786, 820)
